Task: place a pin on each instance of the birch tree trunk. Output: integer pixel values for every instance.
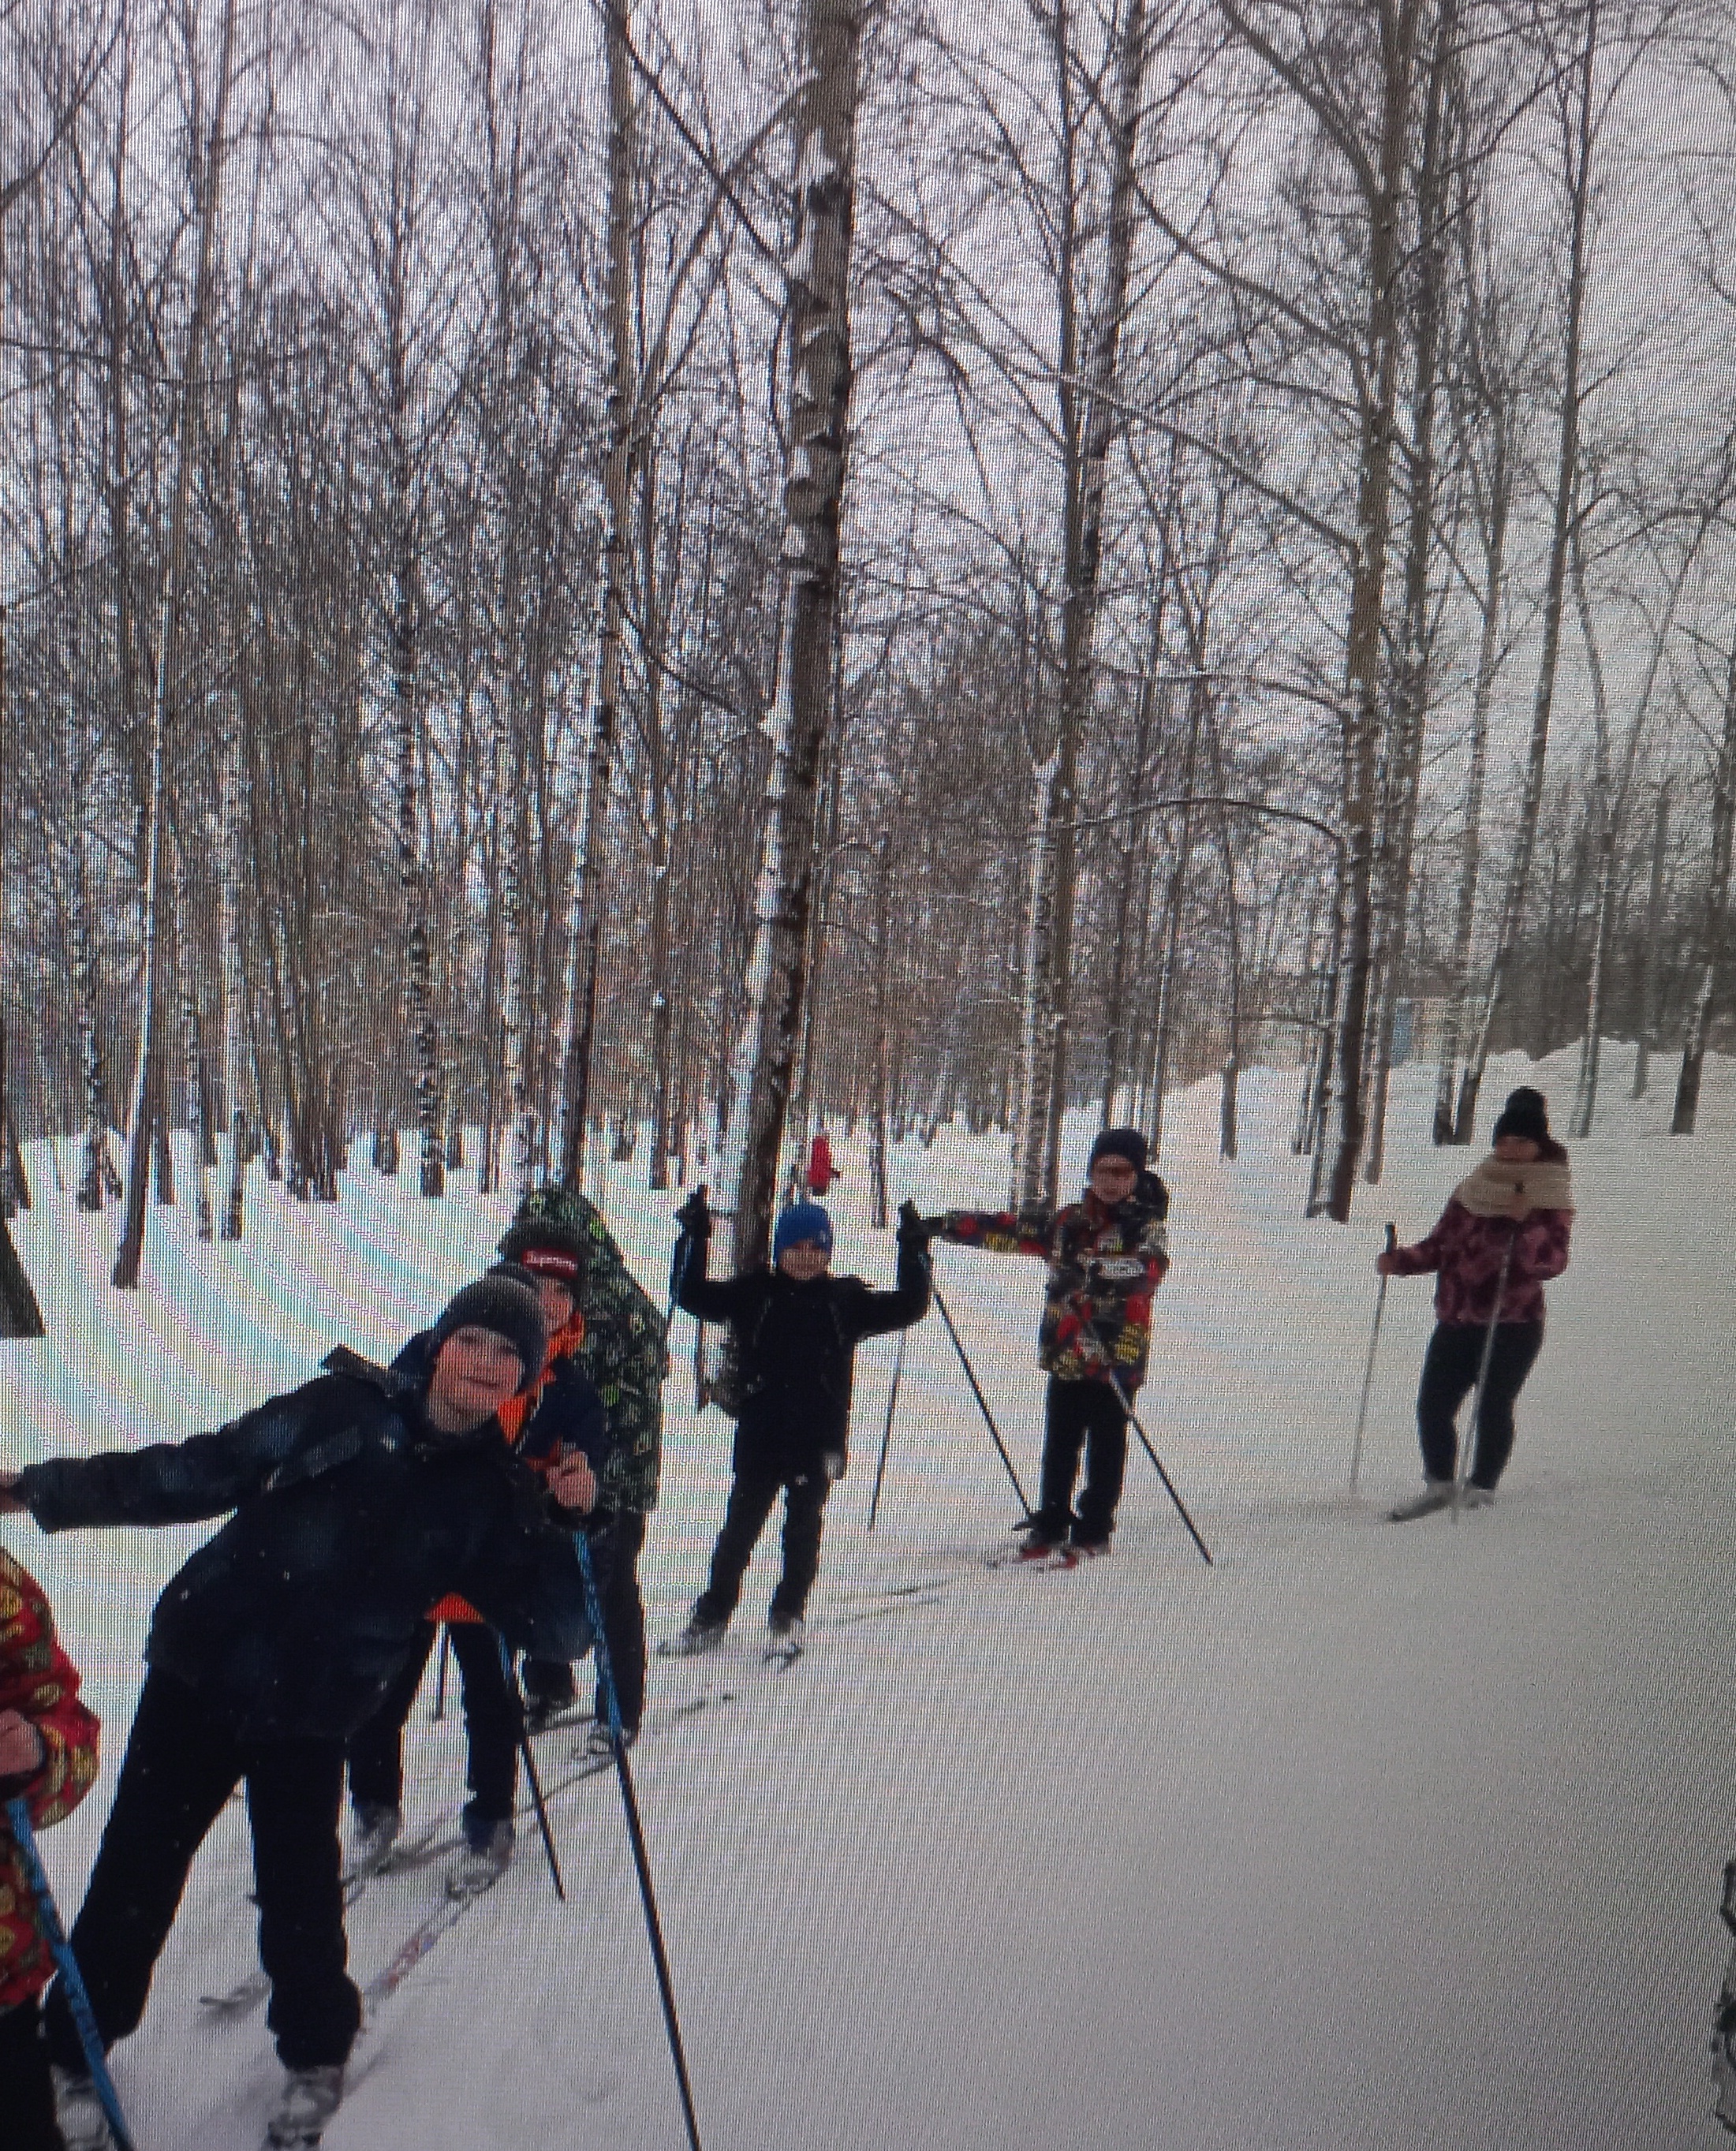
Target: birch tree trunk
(584, 965)
(192, 1050)
(1031, 1114)
(819, 433)
(230, 859)
(1577, 143)
(1647, 1027)
(148, 1074)
(1714, 917)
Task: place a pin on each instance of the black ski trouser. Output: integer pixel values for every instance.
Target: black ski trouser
(182, 1763)
(26, 2091)
(751, 1500)
(492, 1723)
(1450, 1374)
(1082, 1416)
(617, 1539)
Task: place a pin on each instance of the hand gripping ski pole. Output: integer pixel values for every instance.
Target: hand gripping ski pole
(892, 1405)
(510, 1674)
(976, 1390)
(1169, 1483)
(1466, 1451)
(47, 1919)
(1368, 1372)
(630, 1799)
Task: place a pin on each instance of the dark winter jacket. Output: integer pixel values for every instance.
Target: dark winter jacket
(352, 1515)
(1467, 1253)
(1106, 1260)
(796, 1344)
(625, 1351)
(39, 1681)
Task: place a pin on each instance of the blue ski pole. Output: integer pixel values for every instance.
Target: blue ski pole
(47, 1918)
(641, 1860)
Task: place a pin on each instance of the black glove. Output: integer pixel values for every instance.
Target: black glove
(694, 1216)
(914, 1229)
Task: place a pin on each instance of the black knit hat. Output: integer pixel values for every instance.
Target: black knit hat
(1526, 1114)
(511, 1310)
(1120, 1142)
(548, 1250)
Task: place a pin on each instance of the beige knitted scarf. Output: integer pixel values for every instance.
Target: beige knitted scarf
(1487, 1192)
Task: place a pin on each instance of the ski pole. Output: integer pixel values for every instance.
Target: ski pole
(526, 1749)
(439, 1711)
(47, 1919)
(1463, 1473)
(976, 1390)
(1368, 1372)
(641, 1859)
(1169, 1483)
(892, 1405)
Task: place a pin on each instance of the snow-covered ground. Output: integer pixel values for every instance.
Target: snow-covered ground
(1366, 1837)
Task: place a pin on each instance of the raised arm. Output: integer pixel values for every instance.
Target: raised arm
(1027, 1231)
(171, 1482)
(877, 1313)
(707, 1299)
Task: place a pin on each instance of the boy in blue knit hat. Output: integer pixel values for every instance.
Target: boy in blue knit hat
(797, 1329)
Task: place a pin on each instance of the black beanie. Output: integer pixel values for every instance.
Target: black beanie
(1120, 1142)
(512, 1310)
(1526, 1114)
(549, 1249)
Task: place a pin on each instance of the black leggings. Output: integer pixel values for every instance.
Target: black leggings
(1450, 1374)
(26, 2091)
(491, 1719)
(182, 1763)
(1088, 1416)
(750, 1502)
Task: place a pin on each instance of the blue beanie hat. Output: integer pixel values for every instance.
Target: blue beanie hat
(801, 1221)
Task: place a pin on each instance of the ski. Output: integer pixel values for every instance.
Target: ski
(779, 1657)
(1428, 1504)
(1023, 1556)
(418, 1944)
(880, 1612)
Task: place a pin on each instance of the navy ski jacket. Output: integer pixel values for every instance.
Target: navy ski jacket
(352, 1515)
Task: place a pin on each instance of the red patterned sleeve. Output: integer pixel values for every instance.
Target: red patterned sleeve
(1001, 1231)
(1542, 1249)
(40, 1681)
(1425, 1254)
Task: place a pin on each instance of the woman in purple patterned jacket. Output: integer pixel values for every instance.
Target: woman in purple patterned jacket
(1517, 1209)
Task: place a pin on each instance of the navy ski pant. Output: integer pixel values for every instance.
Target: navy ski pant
(1088, 1416)
(1450, 1374)
(182, 1763)
(750, 1502)
(617, 1539)
(491, 1720)
(26, 2092)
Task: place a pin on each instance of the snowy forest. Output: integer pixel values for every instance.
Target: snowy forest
(637, 577)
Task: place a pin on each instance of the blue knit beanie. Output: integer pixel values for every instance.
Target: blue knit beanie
(801, 1221)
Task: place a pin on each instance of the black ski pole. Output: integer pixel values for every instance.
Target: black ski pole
(1169, 1483)
(976, 1390)
(439, 1711)
(47, 1920)
(1463, 1473)
(511, 1676)
(641, 1859)
(1368, 1372)
(892, 1405)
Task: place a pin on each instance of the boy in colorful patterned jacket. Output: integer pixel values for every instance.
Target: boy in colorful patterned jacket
(1106, 1254)
(48, 1758)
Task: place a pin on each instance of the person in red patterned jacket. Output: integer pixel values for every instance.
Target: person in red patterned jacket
(1515, 1209)
(48, 1758)
(1106, 1254)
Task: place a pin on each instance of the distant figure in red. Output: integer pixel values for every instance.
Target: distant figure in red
(821, 1171)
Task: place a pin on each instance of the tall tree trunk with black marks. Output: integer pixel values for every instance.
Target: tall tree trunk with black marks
(1714, 918)
(149, 1077)
(817, 280)
(1646, 1030)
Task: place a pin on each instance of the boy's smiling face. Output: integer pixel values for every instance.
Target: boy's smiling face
(804, 1262)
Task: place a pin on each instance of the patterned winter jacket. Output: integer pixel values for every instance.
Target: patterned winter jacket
(1106, 1260)
(1468, 1251)
(625, 1353)
(39, 1681)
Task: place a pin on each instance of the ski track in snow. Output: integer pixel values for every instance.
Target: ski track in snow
(1371, 1837)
